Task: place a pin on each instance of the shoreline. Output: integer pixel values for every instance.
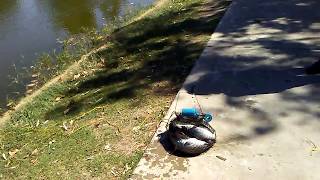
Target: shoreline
(68, 72)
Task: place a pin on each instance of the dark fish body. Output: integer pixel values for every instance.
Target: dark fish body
(189, 145)
(197, 122)
(201, 132)
(191, 137)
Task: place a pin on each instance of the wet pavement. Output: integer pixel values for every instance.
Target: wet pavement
(251, 77)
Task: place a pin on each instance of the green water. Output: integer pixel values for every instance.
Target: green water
(31, 27)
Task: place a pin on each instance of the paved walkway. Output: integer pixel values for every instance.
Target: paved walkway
(267, 111)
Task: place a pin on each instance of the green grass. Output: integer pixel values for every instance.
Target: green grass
(97, 122)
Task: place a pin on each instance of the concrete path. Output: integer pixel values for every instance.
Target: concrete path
(267, 111)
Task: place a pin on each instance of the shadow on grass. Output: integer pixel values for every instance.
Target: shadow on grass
(149, 56)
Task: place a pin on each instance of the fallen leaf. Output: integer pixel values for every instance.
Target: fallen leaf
(34, 152)
(38, 123)
(8, 164)
(4, 156)
(31, 85)
(221, 158)
(53, 141)
(97, 125)
(77, 76)
(127, 168)
(107, 147)
(29, 91)
(13, 167)
(64, 126)
(66, 111)
(149, 111)
(142, 144)
(136, 128)
(10, 104)
(149, 124)
(113, 171)
(71, 122)
(14, 152)
(100, 37)
(90, 158)
(34, 161)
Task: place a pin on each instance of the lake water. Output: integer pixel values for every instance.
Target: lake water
(31, 27)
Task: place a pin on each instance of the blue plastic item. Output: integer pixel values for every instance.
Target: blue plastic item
(194, 113)
(208, 117)
(190, 112)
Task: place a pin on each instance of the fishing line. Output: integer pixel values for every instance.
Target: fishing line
(196, 102)
(195, 96)
(175, 108)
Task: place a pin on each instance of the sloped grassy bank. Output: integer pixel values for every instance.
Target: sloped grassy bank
(95, 119)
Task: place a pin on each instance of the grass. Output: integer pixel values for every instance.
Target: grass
(97, 121)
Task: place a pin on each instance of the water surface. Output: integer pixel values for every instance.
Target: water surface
(31, 27)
